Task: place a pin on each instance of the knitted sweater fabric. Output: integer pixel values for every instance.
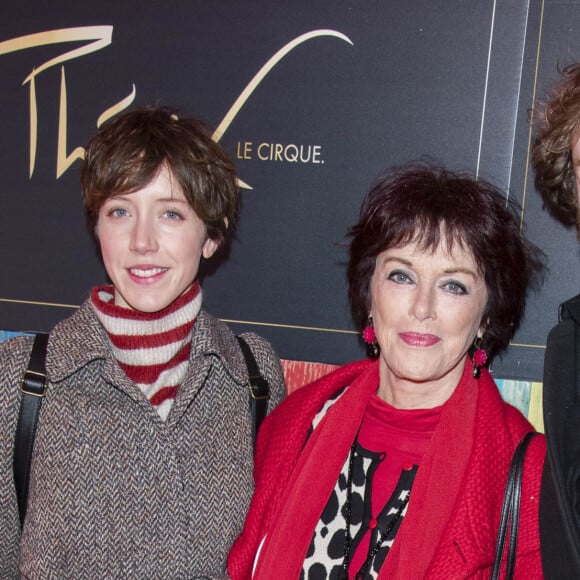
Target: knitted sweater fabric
(115, 492)
(152, 348)
(452, 520)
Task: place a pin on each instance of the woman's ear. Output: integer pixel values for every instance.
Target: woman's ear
(210, 245)
(482, 328)
(209, 248)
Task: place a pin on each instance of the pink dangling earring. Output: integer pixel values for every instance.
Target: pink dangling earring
(479, 357)
(370, 339)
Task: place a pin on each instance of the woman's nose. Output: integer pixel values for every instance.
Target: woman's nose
(143, 237)
(423, 305)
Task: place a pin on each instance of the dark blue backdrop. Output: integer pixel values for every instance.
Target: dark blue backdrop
(359, 86)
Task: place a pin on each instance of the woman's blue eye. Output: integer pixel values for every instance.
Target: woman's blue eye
(455, 287)
(399, 277)
(172, 215)
(118, 212)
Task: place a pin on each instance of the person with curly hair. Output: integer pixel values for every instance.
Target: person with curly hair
(556, 152)
(556, 162)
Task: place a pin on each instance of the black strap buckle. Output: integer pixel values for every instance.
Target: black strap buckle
(259, 389)
(33, 383)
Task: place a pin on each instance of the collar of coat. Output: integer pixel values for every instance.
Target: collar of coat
(80, 339)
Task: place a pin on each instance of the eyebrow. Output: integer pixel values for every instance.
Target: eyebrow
(126, 197)
(462, 271)
(172, 200)
(408, 263)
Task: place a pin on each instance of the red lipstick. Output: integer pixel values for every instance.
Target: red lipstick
(418, 339)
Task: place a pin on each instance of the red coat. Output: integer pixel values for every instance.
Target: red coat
(450, 528)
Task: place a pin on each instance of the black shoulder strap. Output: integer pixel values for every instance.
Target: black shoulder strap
(510, 511)
(32, 386)
(259, 389)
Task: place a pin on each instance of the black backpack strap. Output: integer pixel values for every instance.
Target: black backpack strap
(32, 386)
(259, 389)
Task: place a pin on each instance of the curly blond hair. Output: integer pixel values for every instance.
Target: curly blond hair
(558, 130)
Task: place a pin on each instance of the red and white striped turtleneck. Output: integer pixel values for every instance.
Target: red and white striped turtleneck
(151, 347)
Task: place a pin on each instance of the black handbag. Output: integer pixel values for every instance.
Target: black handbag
(510, 511)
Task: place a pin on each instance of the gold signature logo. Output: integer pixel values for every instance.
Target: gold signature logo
(99, 37)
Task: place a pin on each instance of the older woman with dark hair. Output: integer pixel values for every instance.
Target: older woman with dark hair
(142, 464)
(395, 467)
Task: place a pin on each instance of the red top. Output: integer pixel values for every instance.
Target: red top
(402, 435)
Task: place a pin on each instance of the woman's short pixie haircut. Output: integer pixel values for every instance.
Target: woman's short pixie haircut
(128, 152)
(424, 204)
(558, 123)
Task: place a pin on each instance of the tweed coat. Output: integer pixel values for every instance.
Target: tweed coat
(114, 491)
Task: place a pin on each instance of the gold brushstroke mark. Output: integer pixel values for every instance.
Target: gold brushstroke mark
(101, 37)
(33, 133)
(261, 75)
(64, 161)
(117, 108)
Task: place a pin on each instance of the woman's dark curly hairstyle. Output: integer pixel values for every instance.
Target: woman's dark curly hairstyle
(127, 153)
(421, 203)
(558, 123)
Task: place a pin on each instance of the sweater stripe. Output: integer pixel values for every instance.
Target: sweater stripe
(145, 341)
(162, 395)
(165, 380)
(152, 348)
(149, 356)
(147, 374)
(133, 327)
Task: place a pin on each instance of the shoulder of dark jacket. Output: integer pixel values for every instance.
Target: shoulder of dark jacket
(570, 309)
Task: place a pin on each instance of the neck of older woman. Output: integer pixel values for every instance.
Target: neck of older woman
(406, 393)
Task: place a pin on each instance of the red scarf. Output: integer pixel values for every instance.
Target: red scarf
(316, 471)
